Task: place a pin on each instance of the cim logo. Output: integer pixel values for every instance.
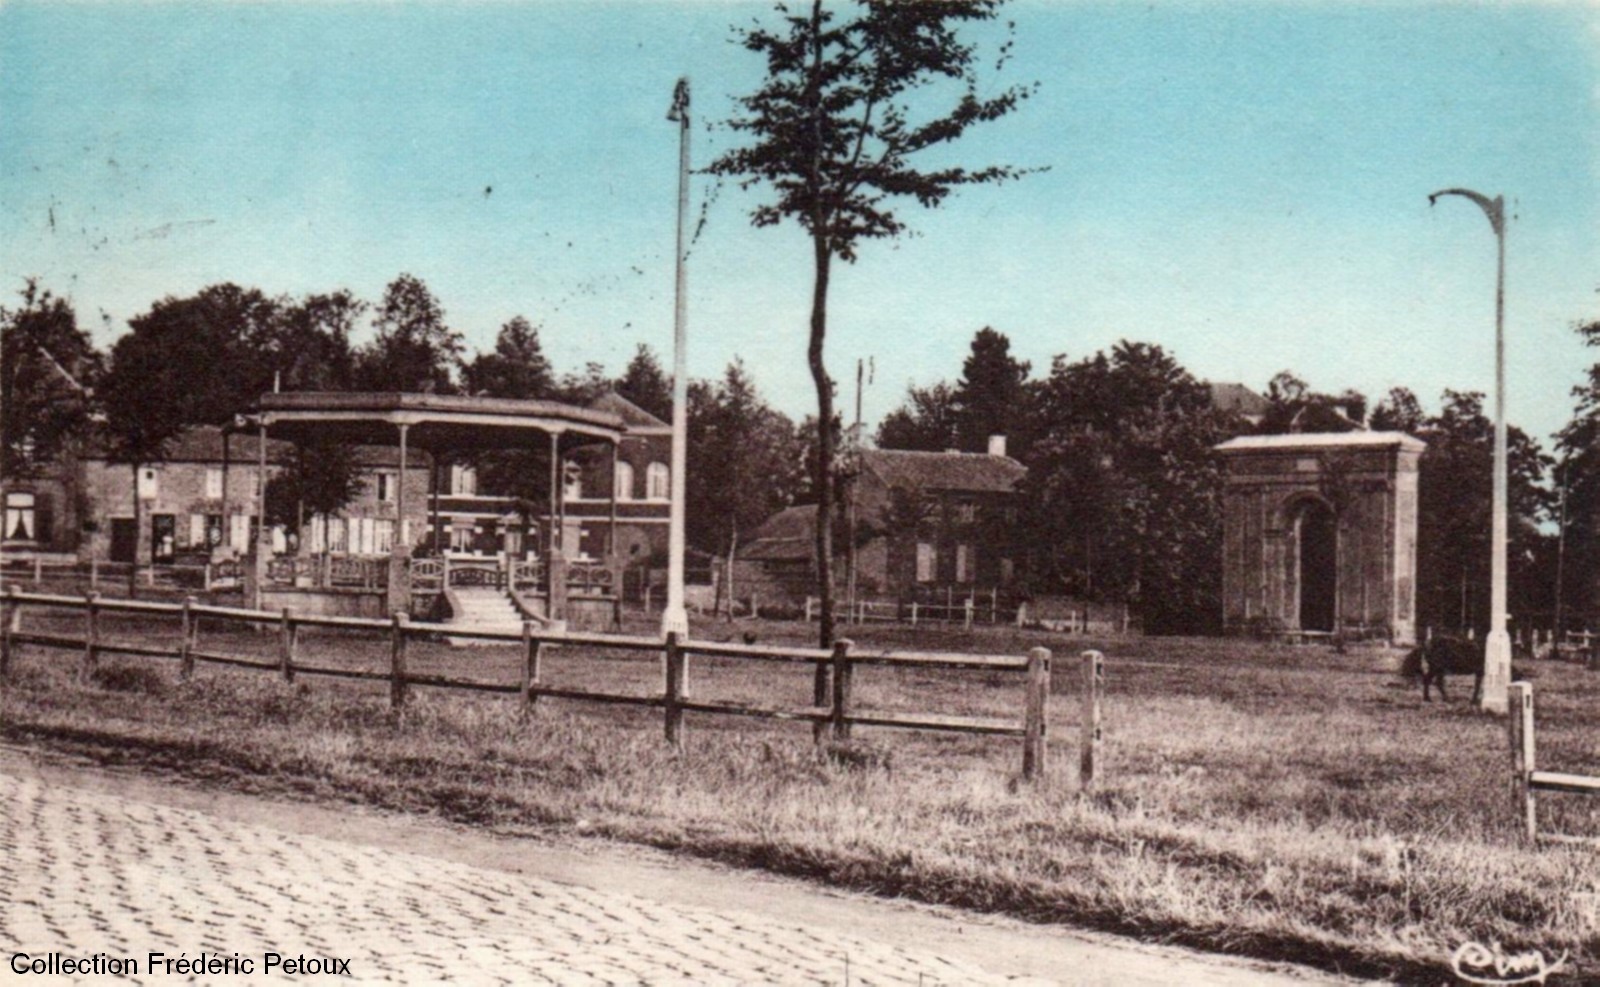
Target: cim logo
(1476, 964)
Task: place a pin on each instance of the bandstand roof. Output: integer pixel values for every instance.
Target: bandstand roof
(435, 422)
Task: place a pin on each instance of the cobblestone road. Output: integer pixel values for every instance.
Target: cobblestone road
(85, 872)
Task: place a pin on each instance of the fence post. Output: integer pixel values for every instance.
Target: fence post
(38, 572)
(1094, 676)
(843, 673)
(913, 613)
(531, 652)
(12, 624)
(397, 660)
(674, 690)
(1034, 743)
(205, 577)
(1022, 613)
(994, 605)
(808, 608)
(819, 697)
(94, 572)
(91, 636)
(1522, 751)
(186, 641)
(967, 616)
(288, 632)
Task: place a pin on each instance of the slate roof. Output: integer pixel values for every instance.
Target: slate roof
(785, 536)
(961, 472)
(636, 418)
(1237, 398)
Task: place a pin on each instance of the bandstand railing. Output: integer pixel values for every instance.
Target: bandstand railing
(328, 572)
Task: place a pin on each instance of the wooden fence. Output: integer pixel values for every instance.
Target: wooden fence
(1527, 781)
(966, 611)
(832, 711)
(203, 576)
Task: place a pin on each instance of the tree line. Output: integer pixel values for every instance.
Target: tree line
(1124, 489)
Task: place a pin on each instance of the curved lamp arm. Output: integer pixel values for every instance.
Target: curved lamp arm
(1493, 208)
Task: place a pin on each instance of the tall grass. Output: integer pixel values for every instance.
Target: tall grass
(1274, 802)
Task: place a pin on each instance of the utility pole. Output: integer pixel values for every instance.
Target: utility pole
(1561, 554)
(675, 618)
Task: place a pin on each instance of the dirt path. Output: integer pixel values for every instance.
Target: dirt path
(102, 860)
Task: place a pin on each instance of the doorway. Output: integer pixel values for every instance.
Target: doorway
(1318, 536)
(124, 539)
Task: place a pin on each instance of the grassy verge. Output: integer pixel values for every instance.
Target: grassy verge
(1281, 803)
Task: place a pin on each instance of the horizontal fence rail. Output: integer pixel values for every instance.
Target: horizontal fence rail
(832, 711)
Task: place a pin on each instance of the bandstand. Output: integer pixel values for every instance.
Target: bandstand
(418, 576)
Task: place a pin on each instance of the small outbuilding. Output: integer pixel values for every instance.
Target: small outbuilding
(1320, 535)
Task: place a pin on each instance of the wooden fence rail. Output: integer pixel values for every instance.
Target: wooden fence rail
(832, 711)
(1527, 780)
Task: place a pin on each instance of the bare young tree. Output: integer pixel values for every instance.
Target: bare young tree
(836, 129)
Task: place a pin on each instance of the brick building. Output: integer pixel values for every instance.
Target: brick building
(927, 522)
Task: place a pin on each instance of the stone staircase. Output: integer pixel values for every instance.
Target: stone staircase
(482, 608)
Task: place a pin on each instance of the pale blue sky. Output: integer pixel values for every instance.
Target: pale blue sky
(1245, 184)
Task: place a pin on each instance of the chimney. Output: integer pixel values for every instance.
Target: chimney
(997, 445)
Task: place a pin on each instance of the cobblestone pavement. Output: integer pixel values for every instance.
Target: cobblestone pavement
(85, 872)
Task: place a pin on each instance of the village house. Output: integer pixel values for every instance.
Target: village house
(927, 523)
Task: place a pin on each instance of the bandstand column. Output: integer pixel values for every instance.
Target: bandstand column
(263, 545)
(227, 512)
(551, 545)
(398, 597)
(433, 523)
(611, 531)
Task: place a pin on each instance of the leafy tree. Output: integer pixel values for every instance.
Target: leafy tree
(1123, 490)
(835, 135)
(1293, 407)
(584, 387)
(415, 349)
(744, 460)
(186, 362)
(646, 384)
(306, 346)
(48, 368)
(1454, 516)
(321, 478)
(516, 368)
(1578, 448)
(1399, 411)
(925, 421)
(992, 395)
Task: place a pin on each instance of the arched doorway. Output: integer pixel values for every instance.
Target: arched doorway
(1317, 538)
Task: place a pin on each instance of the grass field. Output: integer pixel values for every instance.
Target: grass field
(1273, 801)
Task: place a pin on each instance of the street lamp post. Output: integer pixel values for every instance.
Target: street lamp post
(675, 618)
(1497, 647)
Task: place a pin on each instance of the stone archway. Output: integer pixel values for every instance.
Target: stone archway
(1316, 580)
(1292, 563)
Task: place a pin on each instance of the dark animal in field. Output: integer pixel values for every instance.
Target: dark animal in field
(1441, 656)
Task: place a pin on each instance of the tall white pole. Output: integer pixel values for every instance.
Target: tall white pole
(675, 618)
(1497, 647)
